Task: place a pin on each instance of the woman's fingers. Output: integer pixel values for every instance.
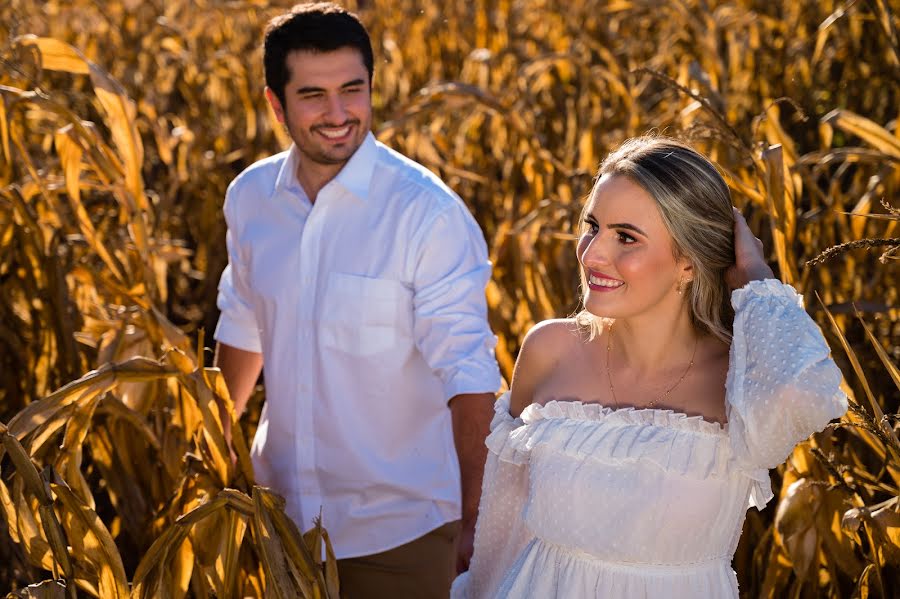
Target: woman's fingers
(750, 262)
(742, 233)
(746, 244)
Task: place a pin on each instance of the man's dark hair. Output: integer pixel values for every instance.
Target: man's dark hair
(316, 27)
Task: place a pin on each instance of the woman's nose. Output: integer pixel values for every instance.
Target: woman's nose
(594, 252)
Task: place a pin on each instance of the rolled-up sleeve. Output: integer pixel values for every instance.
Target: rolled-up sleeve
(451, 326)
(237, 325)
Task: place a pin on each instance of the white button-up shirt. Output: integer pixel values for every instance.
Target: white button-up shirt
(369, 309)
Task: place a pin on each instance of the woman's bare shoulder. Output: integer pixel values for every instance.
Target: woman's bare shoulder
(556, 330)
(543, 347)
(549, 340)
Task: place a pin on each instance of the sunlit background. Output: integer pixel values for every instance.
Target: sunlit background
(123, 121)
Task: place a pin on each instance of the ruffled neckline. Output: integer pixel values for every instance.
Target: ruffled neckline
(689, 445)
(578, 410)
(513, 438)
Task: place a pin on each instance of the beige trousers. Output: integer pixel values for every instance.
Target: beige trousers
(420, 569)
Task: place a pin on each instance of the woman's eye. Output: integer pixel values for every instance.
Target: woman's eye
(625, 238)
(592, 226)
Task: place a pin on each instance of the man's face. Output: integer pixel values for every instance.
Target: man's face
(327, 106)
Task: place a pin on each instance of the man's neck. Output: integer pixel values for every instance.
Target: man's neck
(313, 176)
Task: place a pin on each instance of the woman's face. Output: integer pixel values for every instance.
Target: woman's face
(627, 254)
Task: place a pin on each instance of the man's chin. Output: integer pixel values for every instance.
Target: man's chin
(337, 155)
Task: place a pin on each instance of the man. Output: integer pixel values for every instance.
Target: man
(357, 278)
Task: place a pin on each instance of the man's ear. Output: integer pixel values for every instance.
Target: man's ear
(276, 105)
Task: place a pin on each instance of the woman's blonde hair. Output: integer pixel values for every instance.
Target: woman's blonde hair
(695, 205)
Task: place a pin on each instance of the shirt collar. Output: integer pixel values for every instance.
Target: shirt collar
(287, 170)
(355, 177)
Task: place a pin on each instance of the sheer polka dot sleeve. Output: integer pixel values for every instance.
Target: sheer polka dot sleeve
(500, 533)
(782, 384)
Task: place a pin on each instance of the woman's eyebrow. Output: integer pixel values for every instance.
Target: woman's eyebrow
(628, 226)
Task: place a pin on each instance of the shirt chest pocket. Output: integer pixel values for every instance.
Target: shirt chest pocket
(365, 316)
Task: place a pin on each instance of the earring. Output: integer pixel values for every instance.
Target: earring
(682, 285)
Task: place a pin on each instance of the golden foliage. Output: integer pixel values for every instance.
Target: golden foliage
(122, 122)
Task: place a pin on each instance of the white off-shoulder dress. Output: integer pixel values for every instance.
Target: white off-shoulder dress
(580, 500)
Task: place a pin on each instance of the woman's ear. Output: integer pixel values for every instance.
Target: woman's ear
(687, 269)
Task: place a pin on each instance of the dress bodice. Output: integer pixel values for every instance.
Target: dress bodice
(628, 485)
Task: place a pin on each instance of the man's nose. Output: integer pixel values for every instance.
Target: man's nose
(336, 111)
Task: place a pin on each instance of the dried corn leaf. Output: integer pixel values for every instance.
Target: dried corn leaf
(873, 133)
(48, 589)
(56, 55)
(99, 548)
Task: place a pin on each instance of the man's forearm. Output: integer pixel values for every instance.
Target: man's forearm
(472, 414)
(240, 369)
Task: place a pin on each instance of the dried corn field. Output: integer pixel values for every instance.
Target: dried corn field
(122, 122)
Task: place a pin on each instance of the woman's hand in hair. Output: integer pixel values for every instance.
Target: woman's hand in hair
(750, 262)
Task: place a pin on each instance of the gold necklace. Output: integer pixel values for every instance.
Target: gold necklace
(664, 395)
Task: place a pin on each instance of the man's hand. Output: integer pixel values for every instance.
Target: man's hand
(241, 370)
(465, 547)
(750, 262)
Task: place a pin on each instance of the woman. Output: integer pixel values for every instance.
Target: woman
(635, 435)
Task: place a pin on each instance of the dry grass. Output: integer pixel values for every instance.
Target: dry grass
(113, 163)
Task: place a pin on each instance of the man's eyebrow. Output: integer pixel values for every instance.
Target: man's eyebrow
(628, 226)
(313, 90)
